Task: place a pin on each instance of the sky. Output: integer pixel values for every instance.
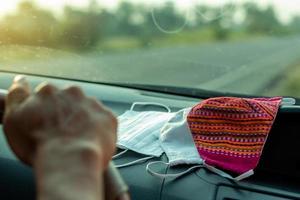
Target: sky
(285, 8)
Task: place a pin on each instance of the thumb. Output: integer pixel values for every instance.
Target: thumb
(18, 92)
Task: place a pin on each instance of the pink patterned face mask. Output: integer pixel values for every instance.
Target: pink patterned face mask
(230, 133)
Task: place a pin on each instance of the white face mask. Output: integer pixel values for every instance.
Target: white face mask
(177, 142)
(139, 132)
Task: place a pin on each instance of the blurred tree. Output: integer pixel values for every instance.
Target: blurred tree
(294, 25)
(223, 21)
(30, 25)
(126, 19)
(138, 21)
(109, 22)
(84, 28)
(262, 21)
(146, 28)
(80, 29)
(201, 15)
(168, 18)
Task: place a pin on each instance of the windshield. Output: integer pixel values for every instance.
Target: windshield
(248, 47)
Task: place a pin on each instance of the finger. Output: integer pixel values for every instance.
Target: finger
(18, 92)
(98, 105)
(74, 91)
(95, 104)
(45, 90)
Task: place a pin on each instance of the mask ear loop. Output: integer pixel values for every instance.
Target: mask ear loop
(132, 162)
(225, 175)
(149, 103)
(163, 176)
(288, 101)
(119, 154)
(141, 160)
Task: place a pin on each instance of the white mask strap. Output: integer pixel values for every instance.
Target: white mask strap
(141, 160)
(288, 101)
(119, 154)
(150, 103)
(244, 175)
(162, 176)
(225, 175)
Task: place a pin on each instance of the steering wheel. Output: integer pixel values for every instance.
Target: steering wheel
(114, 184)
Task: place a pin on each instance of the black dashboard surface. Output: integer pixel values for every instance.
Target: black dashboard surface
(199, 184)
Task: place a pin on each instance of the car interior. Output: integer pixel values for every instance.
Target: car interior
(162, 52)
(276, 178)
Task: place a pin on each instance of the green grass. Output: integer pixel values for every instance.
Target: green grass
(19, 53)
(288, 84)
(189, 37)
(119, 44)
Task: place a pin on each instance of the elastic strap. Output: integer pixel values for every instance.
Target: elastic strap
(149, 103)
(225, 175)
(141, 160)
(119, 154)
(288, 101)
(162, 176)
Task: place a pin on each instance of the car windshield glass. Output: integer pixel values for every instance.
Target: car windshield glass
(247, 47)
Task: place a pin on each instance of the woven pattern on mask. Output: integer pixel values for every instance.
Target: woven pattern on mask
(230, 133)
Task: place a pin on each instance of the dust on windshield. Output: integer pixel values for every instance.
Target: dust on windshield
(249, 47)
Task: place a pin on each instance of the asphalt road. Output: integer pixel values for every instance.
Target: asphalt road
(244, 67)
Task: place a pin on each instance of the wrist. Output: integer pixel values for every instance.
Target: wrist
(57, 152)
(73, 167)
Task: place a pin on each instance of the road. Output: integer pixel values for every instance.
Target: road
(243, 67)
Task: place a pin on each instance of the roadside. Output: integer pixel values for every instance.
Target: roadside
(240, 67)
(287, 83)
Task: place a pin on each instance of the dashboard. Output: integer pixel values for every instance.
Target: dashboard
(17, 180)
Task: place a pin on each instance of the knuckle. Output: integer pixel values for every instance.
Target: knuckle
(16, 94)
(46, 89)
(74, 91)
(95, 103)
(109, 113)
(112, 118)
(15, 91)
